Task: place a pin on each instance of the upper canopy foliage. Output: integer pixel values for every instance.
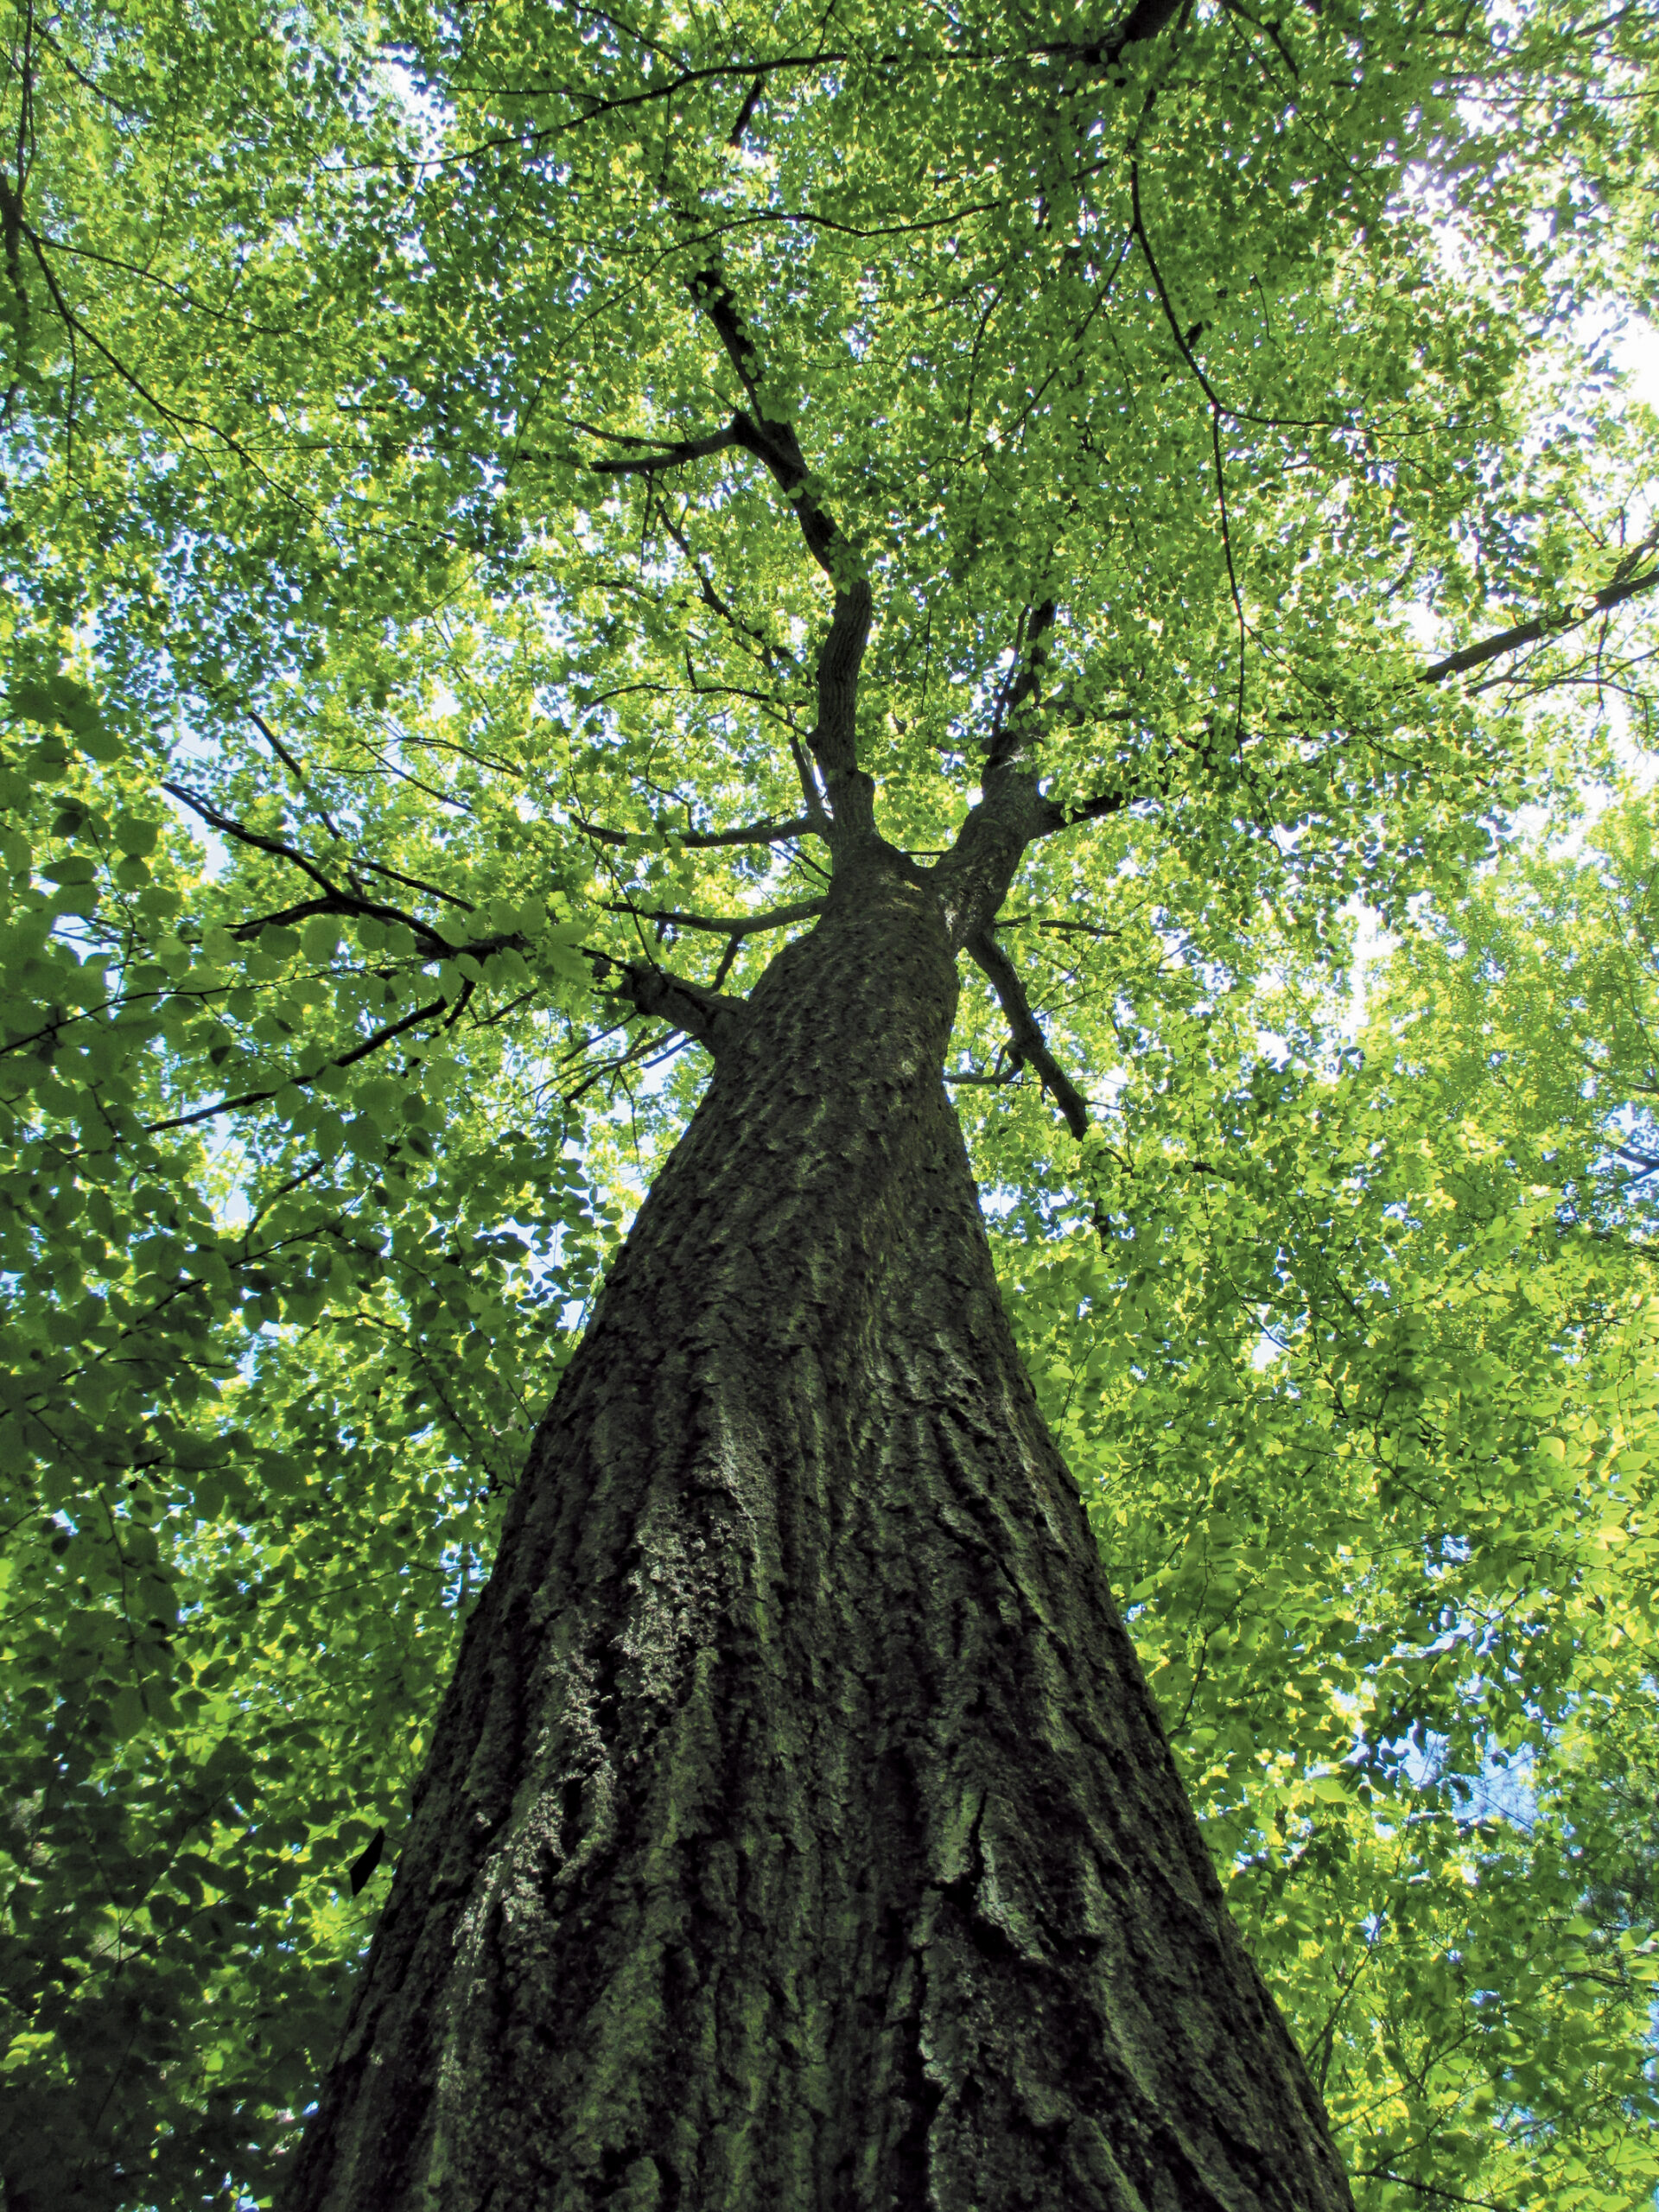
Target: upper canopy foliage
(412, 611)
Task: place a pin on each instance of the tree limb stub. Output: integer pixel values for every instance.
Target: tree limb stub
(1029, 1040)
(1088, 809)
(1144, 20)
(709, 1018)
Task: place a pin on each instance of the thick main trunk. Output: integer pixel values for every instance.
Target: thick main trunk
(798, 1835)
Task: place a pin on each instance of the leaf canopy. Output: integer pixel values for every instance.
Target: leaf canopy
(406, 634)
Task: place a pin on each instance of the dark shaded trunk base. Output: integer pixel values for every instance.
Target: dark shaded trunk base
(798, 1835)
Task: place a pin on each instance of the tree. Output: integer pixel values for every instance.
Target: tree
(542, 498)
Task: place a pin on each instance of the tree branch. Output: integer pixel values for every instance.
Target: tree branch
(10, 209)
(1422, 2187)
(380, 1037)
(1087, 809)
(229, 827)
(748, 636)
(281, 751)
(745, 114)
(336, 901)
(1022, 683)
(728, 925)
(1541, 627)
(752, 833)
(713, 1019)
(1028, 1039)
(1145, 20)
(673, 456)
(850, 793)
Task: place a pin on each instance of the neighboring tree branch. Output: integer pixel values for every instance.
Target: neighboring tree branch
(1541, 627)
(1026, 1039)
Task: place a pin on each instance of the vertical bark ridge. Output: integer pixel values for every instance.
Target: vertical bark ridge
(798, 1835)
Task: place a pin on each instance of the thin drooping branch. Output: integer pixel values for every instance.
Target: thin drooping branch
(1540, 627)
(751, 638)
(1184, 342)
(11, 214)
(298, 1081)
(709, 1017)
(296, 769)
(1027, 1039)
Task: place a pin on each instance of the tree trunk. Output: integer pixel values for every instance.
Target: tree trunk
(798, 1834)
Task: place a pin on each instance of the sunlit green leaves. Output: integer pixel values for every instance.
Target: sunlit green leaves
(1359, 1365)
(354, 719)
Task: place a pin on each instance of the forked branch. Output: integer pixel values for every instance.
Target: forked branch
(338, 900)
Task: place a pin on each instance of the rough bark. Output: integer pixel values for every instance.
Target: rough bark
(798, 1834)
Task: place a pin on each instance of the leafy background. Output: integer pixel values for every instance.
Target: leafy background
(355, 720)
